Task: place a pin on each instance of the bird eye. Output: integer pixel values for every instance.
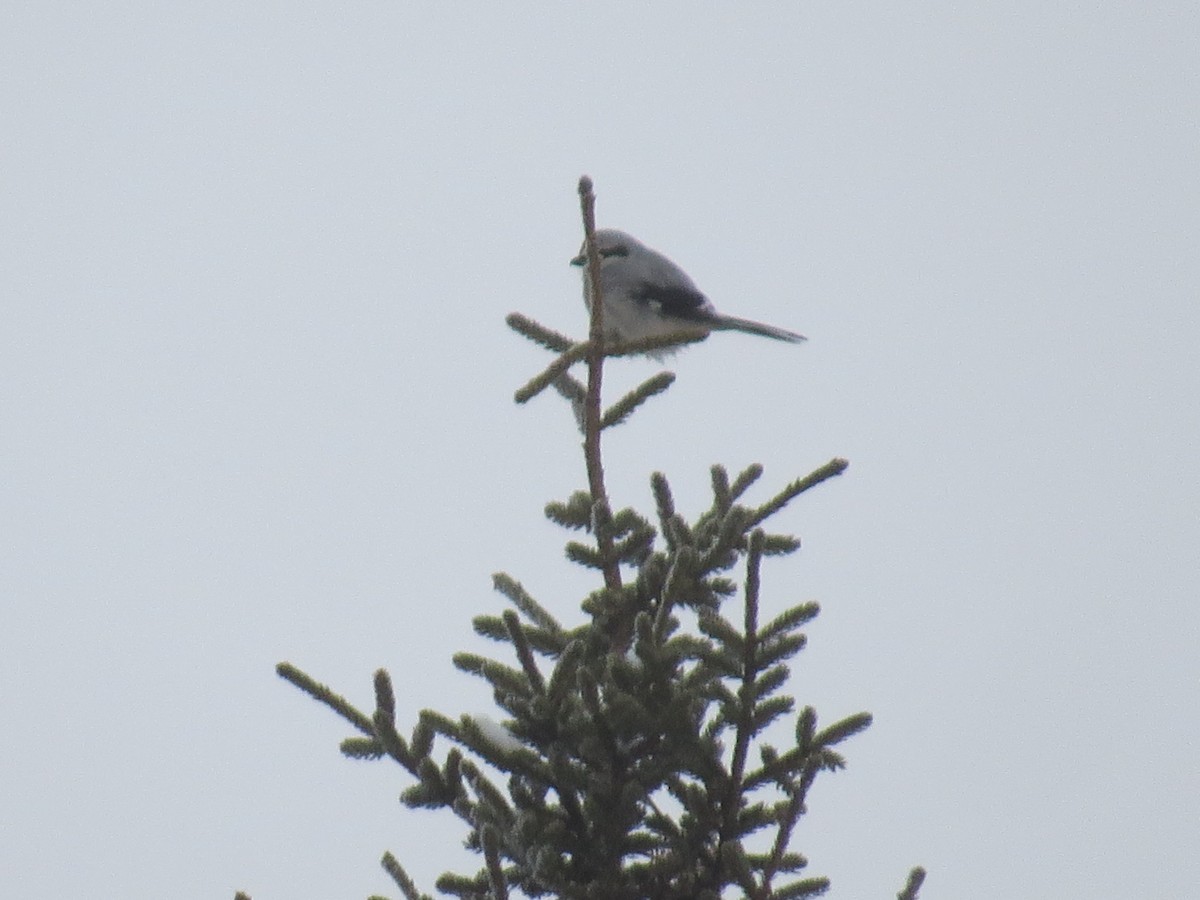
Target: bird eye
(615, 250)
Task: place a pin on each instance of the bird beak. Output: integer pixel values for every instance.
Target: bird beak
(580, 260)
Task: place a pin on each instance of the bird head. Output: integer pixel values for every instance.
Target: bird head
(609, 243)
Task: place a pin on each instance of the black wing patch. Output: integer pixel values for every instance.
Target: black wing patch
(673, 302)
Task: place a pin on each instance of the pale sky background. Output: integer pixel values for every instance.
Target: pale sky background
(255, 390)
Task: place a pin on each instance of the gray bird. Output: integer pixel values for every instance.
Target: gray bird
(647, 295)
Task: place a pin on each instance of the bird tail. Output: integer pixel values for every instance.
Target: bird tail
(732, 323)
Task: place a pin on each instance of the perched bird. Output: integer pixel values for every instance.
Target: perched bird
(646, 295)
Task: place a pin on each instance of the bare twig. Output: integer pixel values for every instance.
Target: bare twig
(591, 408)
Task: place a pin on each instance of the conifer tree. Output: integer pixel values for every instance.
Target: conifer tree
(632, 762)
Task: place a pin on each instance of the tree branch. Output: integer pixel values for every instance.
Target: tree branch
(915, 879)
(591, 407)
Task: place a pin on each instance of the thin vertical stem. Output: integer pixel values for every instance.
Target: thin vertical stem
(595, 356)
(591, 406)
(732, 802)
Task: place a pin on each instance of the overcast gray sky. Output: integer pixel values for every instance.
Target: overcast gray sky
(255, 391)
